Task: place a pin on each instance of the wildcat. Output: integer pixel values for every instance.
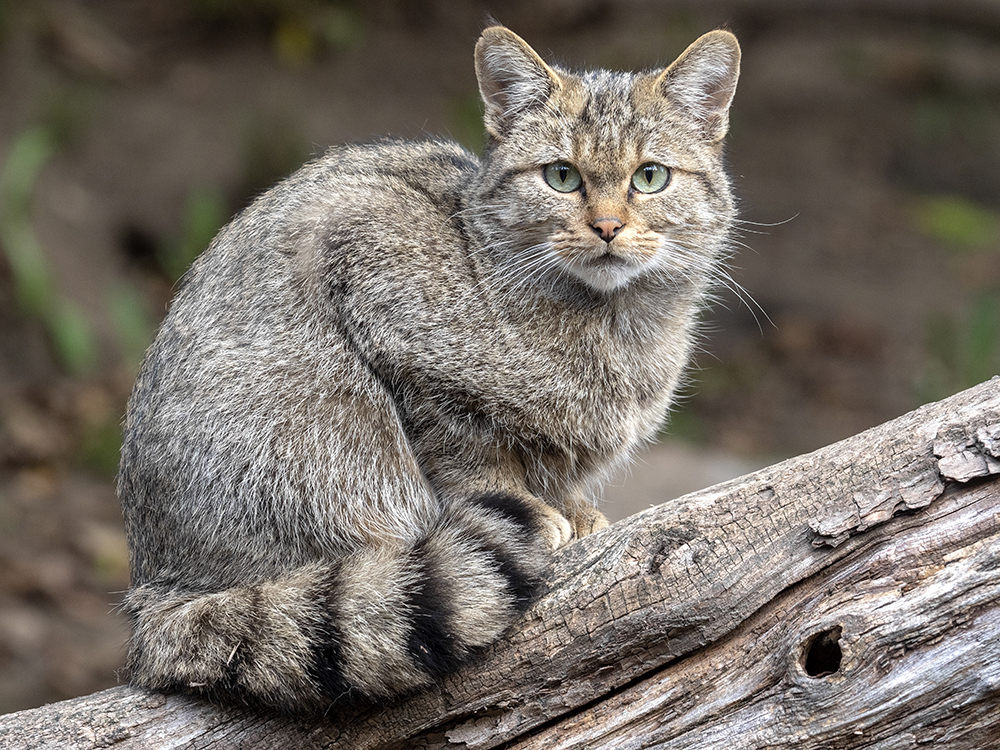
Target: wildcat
(386, 391)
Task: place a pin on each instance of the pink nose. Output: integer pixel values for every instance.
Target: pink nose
(607, 227)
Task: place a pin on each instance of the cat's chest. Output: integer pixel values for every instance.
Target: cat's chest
(432, 329)
(611, 382)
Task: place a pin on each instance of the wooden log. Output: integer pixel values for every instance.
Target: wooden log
(847, 598)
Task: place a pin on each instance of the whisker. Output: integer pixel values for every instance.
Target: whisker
(741, 225)
(764, 223)
(745, 297)
(691, 264)
(511, 276)
(517, 274)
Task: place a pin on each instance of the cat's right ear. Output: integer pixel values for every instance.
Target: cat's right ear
(512, 78)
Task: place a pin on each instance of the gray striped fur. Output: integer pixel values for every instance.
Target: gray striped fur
(393, 384)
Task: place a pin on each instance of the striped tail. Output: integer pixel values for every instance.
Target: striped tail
(374, 625)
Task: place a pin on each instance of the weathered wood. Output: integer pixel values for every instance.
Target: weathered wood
(916, 623)
(700, 623)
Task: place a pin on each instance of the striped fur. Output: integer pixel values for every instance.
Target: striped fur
(370, 626)
(390, 387)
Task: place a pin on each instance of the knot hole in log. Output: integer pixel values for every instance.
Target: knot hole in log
(821, 654)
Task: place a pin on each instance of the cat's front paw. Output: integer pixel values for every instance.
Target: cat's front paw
(586, 520)
(554, 527)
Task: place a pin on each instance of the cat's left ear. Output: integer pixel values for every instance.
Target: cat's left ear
(702, 81)
(512, 77)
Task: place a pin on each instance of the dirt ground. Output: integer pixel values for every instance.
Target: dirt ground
(864, 148)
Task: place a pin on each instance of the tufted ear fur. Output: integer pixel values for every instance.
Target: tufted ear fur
(512, 78)
(702, 81)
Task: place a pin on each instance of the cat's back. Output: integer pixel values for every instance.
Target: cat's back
(392, 168)
(360, 226)
(379, 206)
(393, 207)
(364, 192)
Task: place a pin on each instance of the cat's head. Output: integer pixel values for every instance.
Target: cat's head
(606, 177)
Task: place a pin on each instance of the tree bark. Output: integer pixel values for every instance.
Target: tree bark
(848, 598)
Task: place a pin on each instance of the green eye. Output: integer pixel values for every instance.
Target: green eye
(563, 176)
(651, 178)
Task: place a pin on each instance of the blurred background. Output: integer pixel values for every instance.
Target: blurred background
(865, 148)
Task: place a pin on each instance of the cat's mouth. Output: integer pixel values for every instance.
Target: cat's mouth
(608, 259)
(607, 270)
(605, 266)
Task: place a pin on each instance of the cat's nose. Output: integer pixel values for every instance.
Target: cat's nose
(607, 227)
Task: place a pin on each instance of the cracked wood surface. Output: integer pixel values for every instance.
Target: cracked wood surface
(689, 625)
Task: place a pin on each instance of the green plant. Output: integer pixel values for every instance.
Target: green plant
(99, 448)
(465, 121)
(964, 352)
(69, 332)
(204, 214)
(133, 325)
(685, 425)
(957, 222)
(304, 29)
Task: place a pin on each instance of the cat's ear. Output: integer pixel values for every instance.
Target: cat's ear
(702, 81)
(512, 77)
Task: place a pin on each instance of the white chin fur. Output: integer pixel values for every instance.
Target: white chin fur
(606, 278)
